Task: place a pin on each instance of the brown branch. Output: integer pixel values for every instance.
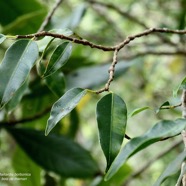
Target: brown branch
(115, 48)
(49, 15)
(151, 161)
(111, 73)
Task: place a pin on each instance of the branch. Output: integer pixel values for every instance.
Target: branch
(111, 73)
(150, 162)
(49, 15)
(115, 48)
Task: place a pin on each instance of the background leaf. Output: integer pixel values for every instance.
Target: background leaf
(64, 106)
(111, 115)
(85, 77)
(19, 16)
(23, 164)
(15, 67)
(55, 153)
(159, 131)
(172, 168)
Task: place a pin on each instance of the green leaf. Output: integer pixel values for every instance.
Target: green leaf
(11, 105)
(119, 178)
(15, 67)
(64, 106)
(112, 118)
(59, 57)
(55, 153)
(23, 164)
(2, 38)
(159, 131)
(138, 110)
(21, 19)
(56, 83)
(172, 169)
(182, 85)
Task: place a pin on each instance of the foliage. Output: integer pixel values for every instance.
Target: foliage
(52, 81)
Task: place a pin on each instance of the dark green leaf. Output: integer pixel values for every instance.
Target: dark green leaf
(64, 106)
(56, 83)
(138, 110)
(161, 130)
(55, 153)
(112, 118)
(171, 169)
(2, 38)
(15, 67)
(23, 164)
(21, 19)
(59, 57)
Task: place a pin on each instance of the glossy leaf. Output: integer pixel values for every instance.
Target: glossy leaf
(138, 110)
(172, 169)
(64, 106)
(2, 38)
(55, 153)
(159, 131)
(59, 57)
(15, 67)
(112, 118)
(23, 164)
(56, 83)
(11, 105)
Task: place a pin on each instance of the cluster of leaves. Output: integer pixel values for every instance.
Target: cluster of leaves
(39, 66)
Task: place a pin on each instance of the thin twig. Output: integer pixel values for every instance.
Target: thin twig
(111, 73)
(150, 162)
(49, 15)
(115, 48)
